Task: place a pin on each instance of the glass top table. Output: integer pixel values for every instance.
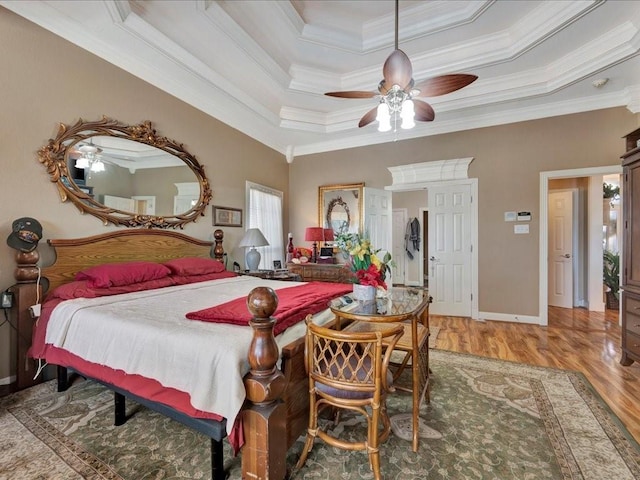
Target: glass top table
(409, 306)
(397, 304)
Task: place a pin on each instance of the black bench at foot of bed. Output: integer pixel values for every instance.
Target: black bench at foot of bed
(215, 430)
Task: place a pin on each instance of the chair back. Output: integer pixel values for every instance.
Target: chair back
(350, 365)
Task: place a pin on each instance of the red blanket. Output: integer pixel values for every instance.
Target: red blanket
(294, 304)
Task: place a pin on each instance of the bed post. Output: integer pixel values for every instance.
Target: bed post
(264, 413)
(26, 292)
(218, 250)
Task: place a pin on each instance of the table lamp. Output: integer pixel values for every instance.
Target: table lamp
(315, 235)
(253, 238)
(328, 235)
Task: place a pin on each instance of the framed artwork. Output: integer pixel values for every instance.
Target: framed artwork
(340, 208)
(227, 217)
(277, 264)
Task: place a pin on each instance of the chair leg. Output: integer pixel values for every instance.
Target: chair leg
(373, 442)
(311, 434)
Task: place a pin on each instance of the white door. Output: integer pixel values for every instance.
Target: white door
(378, 219)
(398, 255)
(449, 241)
(561, 249)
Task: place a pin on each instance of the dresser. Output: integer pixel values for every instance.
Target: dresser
(321, 272)
(631, 271)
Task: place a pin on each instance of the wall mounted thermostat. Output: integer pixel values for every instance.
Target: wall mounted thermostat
(510, 216)
(524, 216)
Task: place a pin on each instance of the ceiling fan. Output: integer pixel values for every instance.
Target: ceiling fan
(87, 155)
(398, 91)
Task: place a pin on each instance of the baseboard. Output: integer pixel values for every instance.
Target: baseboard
(508, 317)
(8, 380)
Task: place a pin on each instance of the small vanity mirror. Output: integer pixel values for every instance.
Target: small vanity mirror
(126, 175)
(340, 208)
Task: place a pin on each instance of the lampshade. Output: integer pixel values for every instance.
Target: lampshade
(314, 234)
(253, 238)
(328, 235)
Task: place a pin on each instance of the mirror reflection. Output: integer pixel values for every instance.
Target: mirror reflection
(126, 175)
(132, 177)
(340, 208)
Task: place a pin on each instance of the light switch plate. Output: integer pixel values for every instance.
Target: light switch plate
(520, 229)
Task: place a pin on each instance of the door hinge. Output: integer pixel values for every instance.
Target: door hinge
(472, 297)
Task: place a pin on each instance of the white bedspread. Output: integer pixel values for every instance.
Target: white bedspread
(146, 333)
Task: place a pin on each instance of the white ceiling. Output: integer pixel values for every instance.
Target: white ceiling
(263, 66)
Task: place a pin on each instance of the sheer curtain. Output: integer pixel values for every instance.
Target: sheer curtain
(265, 212)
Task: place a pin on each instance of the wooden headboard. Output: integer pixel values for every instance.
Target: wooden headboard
(74, 255)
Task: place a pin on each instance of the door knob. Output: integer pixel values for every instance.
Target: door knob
(433, 259)
(566, 255)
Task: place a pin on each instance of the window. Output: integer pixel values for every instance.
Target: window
(264, 211)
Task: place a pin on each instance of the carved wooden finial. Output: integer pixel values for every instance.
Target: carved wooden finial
(218, 250)
(262, 302)
(26, 266)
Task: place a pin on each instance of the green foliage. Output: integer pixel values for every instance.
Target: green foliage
(611, 271)
(609, 191)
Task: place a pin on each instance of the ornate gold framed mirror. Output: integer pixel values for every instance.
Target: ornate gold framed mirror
(126, 174)
(340, 208)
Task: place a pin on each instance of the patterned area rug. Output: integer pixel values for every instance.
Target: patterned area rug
(496, 420)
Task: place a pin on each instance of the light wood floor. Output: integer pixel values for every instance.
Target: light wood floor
(575, 339)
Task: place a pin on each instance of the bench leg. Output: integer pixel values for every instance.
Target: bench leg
(63, 382)
(217, 461)
(119, 403)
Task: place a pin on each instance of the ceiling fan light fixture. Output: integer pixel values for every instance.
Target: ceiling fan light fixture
(82, 162)
(97, 166)
(383, 117)
(407, 114)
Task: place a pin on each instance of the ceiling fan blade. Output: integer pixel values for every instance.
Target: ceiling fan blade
(397, 70)
(368, 117)
(423, 111)
(443, 84)
(352, 94)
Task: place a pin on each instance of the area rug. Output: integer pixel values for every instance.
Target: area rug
(496, 420)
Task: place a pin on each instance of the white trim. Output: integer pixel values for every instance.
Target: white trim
(425, 241)
(8, 380)
(424, 172)
(543, 283)
(405, 216)
(509, 317)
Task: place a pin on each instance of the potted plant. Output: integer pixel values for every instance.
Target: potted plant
(611, 278)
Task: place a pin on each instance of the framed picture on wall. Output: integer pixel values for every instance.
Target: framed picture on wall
(226, 216)
(277, 264)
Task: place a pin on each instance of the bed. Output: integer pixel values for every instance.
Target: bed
(275, 403)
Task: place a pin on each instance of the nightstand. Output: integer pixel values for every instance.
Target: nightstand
(321, 272)
(273, 275)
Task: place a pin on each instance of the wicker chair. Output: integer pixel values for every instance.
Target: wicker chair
(348, 370)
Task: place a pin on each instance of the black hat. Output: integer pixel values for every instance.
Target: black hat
(26, 234)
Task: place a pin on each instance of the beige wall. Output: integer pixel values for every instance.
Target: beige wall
(45, 80)
(507, 162)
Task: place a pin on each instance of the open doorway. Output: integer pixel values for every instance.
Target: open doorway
(592, 247)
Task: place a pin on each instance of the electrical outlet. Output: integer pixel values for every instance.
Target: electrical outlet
(6, 299)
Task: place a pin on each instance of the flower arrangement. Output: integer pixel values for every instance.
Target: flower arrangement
(363, 260)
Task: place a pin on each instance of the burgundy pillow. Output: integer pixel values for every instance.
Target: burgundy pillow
(118, 274)
(78, 289)
(194, 266)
